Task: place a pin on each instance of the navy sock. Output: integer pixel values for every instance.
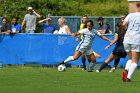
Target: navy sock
(116, 62)
(84, 62)
(103, 66)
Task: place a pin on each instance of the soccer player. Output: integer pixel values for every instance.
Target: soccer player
(132, 43)
(85, 45)
(82, 26)
(118, 51)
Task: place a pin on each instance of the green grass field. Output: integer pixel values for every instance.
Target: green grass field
(74, 80)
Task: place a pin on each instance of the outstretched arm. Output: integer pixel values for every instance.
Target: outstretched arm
(105, 38)
(75, 34)
(125, 24)
(81, 32)
(113, 41)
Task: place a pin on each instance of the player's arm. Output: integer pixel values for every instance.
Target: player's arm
(75, 34)
(113, 41)
(79, 33)
(102, 36)
(125, 24)
(126, 21)
(105, 38)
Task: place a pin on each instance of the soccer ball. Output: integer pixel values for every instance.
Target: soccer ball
(61, 68)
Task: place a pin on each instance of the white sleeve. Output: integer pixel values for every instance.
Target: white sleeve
(98, 33)
(83, 31)
(127, 18)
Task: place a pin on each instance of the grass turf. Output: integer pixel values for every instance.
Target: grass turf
(74, 80)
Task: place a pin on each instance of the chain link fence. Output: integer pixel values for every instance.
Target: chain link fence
(74, 22)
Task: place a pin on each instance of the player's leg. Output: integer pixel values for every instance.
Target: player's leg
(128, 63)
(84, 61)
(92, 63)
(116, 62)
(96, 54)
(111, 57)
(133, 66)
(72, 58)
(134, 52)
(92, 58)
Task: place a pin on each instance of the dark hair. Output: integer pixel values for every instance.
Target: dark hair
(15, 18)
(5, 18)
(121, 29)
(89, 21)
(138, 5)
(100, 19)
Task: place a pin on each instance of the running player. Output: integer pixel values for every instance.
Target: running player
(118, 51)
(132, 43)
(117, 60)
(85, 45)
(83, 26)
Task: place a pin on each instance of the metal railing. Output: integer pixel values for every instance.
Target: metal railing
(74, 22)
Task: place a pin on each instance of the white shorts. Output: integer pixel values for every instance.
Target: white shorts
(131, 47)
(86, 51)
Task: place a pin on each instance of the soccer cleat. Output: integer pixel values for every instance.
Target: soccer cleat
(112, 69)
(97, 71)
(128, 80)
(60, 63)
(83, 69)
(124, 75)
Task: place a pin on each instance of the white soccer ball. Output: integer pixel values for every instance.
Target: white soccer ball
(61, 68)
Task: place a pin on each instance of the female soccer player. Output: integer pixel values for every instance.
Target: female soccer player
(83, 26)
(132, 43)
(118, 51)
(85, 45)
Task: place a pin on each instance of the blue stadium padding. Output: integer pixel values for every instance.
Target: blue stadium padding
(46, 48)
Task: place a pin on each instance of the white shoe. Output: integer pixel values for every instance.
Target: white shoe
(112, 69)
(83, 69)
(97, 71)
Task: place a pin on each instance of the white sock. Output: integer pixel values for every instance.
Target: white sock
(70, 58)
(127, 66)
(131, 70)
(92, 63)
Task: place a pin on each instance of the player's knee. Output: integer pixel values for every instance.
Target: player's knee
(75, 57)
(94, 60)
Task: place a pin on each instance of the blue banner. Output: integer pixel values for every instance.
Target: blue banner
(46, 48)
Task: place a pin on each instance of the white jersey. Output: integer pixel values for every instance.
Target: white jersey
(88, 37)
(132, 35)
(62, 30)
